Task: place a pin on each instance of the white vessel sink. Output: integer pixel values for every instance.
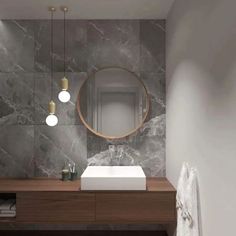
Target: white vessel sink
(113, 178)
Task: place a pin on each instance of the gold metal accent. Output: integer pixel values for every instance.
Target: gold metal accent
(64, 83)
(148, 102)
(52, 107)
(64, 8)
(51, 8)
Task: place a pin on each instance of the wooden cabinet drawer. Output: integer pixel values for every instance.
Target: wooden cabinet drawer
(135, 207)
(72, 207)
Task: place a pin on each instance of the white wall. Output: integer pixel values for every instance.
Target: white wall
(201, 105)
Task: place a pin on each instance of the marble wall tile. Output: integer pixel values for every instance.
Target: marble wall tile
(16, 151)
(113, 43)
(56, 145)
(152, 45)
(155, 84)
(16, 46)
(66, 112)
(95, 144)
(136, 45)
(76, 46)
(145, 148)
(16, 98)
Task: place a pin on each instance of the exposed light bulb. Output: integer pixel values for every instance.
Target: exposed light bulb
(51, 120)
(64, 96)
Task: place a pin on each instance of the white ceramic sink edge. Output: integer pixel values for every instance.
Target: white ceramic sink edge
(113, 178)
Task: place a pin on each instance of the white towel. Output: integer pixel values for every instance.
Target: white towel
(7, 204)
(12, 214)
(191, 227)
(180, 198)
(2, 212)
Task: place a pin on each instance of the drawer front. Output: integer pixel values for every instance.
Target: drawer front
(46, 207)
(135, 207)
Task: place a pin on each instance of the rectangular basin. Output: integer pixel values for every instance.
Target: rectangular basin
(113, 178)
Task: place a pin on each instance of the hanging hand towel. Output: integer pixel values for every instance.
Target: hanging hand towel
(180, 198)
(192, 209)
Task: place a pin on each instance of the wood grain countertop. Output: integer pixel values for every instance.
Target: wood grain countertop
(56, 185)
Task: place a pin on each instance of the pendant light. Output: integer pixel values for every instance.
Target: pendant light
(64, 95)
(52, 119)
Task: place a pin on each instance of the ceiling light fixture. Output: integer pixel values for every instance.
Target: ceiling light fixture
(52, 119)
(64, 95)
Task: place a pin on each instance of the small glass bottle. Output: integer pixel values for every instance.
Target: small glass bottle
(65, 172)
(65, 175)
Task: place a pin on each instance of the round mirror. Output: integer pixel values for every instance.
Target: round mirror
(113, 103)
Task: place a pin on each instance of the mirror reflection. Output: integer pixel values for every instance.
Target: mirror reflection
(113, 103)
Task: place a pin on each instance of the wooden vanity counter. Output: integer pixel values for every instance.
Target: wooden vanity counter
(56, 185)
(54, 201)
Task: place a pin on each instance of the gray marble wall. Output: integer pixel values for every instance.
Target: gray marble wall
(28, 147)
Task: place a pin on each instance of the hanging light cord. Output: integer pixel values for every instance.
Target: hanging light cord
(52, 54)
(64, 43)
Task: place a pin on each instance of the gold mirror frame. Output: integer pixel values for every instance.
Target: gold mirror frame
(114, 137)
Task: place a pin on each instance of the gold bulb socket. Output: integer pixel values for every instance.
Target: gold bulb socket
(64, 83)
(52, 107)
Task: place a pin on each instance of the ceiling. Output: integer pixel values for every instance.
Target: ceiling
(86, 9)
